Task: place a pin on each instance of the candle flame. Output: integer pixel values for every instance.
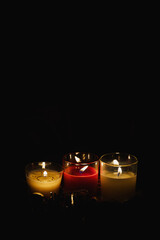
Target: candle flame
(77, 159)
(115, 162)
(83, 168)
(119, 171)
(45, 173)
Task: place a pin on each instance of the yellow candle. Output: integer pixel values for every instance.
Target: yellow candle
(44, 181)
(117, 187)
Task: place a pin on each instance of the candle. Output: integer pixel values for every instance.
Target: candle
(117, 187)
(80, 172)
(75, 179)
(44, 178)
(118, 177)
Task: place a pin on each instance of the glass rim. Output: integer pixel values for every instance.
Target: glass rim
(134, 158)
(38, 165)
(64, 159)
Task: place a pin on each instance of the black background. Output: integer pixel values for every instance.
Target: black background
(73, 89)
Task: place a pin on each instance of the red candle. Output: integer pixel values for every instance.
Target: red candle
(81, 177)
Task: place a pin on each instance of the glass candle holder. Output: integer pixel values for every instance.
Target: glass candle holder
(81, 172)
(44, 178)
(118, 174)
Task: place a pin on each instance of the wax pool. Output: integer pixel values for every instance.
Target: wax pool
(116, 187)
(44, 182)
(75, 179)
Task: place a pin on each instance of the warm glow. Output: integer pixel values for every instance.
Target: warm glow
(119, 171)
(77, 159)
(45, 173)
(83, 169)
(115, 162)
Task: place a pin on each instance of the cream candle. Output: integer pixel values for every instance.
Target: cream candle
(44, 178)
(118, 176)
